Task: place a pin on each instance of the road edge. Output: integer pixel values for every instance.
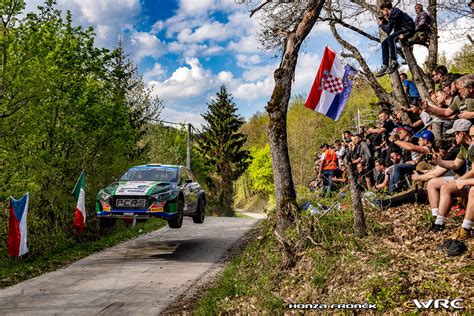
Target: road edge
(185, 303)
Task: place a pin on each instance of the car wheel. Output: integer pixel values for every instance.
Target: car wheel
(177, 222)
(106, 222)
(200, 212)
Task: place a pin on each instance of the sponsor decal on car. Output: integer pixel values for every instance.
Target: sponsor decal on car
(135, 187)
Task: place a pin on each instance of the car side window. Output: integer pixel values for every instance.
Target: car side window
(182, 176)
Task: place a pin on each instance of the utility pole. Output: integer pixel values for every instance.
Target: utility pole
(188, 147)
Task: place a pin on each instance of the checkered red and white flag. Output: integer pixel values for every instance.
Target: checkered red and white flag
(332, 86)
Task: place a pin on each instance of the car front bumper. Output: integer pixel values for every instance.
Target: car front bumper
(139, 214)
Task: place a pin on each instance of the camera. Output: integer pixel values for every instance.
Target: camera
(429, 157)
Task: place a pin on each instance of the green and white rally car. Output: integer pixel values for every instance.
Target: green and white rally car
(147, 191)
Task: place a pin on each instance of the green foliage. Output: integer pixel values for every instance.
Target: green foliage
(463, 61)
(220, 144)
(65, 106)
(260, 170)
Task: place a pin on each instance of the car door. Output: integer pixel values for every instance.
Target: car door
(194, 189)
(186, 188)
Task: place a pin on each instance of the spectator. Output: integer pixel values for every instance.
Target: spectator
(424, 118)
(382, 176)
(422, 26)
(441, 190)
(462, 105)
(410, 89)
(385, 128)
(340, 152)
(328, 167)
(361, 152)
(400, 23)
(425, 141)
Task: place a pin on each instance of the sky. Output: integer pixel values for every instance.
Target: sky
(187, 49)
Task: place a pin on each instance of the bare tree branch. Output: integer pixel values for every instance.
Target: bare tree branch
(252, 12)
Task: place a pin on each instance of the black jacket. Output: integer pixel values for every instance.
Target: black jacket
(397, 21)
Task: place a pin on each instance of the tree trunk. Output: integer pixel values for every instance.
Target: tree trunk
(416, 72)
(433, 47)
(286, 207)
(356, 196)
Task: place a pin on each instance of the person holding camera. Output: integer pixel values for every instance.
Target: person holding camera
(425, 146)
(402, 25)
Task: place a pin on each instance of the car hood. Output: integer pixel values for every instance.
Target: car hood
(140, 187)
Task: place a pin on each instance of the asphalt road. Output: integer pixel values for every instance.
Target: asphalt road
(139, 277)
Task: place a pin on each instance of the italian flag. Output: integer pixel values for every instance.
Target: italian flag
(80, 195)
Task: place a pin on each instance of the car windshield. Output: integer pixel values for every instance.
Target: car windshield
(151, 174)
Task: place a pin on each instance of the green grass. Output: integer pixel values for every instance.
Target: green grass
(14, 270)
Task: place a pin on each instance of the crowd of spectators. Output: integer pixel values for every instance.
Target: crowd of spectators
(422, 153)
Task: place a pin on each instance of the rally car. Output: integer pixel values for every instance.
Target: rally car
(147, 191)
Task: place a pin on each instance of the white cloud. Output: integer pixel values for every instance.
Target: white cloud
(194, 49)
(256, 73)
(225, 77)
(196, 6)
(145, 44)
(253, 90)
(155, 73)
(172, 115)
(306, 69)
(184, 82)
(246, 61)
(247, 44)
(209, 31)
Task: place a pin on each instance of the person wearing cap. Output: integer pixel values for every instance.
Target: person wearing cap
(328, 167)
(361, 152)
(441, 202)
(398, 173)
(463, 105)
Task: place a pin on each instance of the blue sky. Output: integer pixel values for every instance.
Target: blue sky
(186, 49)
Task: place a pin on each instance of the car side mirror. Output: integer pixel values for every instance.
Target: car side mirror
(188, 181)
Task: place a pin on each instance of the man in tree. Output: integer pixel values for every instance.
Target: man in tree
(410, 89)
(422, 26)
(402, 25)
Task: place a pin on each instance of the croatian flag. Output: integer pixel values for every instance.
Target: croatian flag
(332, 86)
(17, 228)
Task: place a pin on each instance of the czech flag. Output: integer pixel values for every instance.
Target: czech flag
(17, 228)
(332, 86)
(80, 195)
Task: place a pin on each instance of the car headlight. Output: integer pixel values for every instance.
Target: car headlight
(162, 196)
(104, 196)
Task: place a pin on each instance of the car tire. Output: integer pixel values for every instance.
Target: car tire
(106, 222)
(177, 222)
(200, 212)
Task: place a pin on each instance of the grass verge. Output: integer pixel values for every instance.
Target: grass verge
(15, 270)
(397, 263)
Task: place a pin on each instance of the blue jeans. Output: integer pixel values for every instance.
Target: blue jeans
(388, 45)
(397, 176)
(327, 180)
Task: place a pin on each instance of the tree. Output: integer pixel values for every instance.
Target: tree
(221, 145)
(285, 26)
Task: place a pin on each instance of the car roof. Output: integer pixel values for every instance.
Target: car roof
(155, 165)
